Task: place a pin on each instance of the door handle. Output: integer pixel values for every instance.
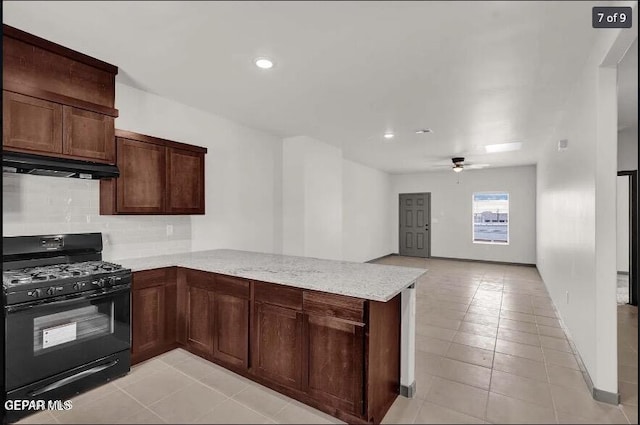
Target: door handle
(73, 378)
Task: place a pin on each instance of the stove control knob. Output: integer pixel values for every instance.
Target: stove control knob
(99, 283)
(54, 289)
(78, 285)
(35, 293)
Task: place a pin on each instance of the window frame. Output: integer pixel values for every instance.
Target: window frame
(473, 224)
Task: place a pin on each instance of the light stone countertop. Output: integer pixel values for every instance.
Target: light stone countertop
(362, 280)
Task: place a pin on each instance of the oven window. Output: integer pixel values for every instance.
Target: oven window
(71, 327)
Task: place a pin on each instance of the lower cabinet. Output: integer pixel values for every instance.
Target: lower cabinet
(153, 313)
(199, 323)
(230, 318)
(336, 353)
(277, 344)
(335, 362)
(218, 318)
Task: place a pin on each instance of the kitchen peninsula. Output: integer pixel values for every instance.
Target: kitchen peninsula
(336, 335)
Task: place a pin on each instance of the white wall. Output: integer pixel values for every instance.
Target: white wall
(262, 194)
(312, 198)
(628, 149)
(366, 212)
(451, 211)
(332, 208)
(242, 189)
(242, 167)
(622, 224)
(576, 205)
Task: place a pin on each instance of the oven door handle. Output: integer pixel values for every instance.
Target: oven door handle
(72, 378)
(68, 300)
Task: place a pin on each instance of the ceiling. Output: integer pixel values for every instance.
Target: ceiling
(476, 73)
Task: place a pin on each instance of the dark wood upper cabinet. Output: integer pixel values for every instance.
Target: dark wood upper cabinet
(42, 69)
(185, 178)
(157, 176)
(57, 102)
(31, 124)
(88, 134)
(141, 185)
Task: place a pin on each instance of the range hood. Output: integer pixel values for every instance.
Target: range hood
(13, 162)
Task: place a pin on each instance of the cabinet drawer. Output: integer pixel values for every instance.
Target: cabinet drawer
(338, 306)
(280, 295)
(148, 278)
(200, 279)
(234, 286)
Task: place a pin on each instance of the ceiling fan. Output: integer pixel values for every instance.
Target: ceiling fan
(459, 164)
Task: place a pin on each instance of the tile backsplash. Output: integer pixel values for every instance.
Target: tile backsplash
(38, 205)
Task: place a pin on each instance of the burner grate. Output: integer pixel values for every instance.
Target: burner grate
(57, 271)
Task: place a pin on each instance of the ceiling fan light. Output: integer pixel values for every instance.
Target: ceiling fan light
(457, 169)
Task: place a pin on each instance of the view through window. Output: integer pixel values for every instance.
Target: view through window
(491, 217)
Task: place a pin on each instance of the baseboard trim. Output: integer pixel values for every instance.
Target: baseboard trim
(606, 396)
(596, 393)
(506, 263)
(408, 390)
(380, 258)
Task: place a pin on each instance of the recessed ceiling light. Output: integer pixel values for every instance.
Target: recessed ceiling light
(503, 147)
(388, 135)
(264, 63)
(424, 130)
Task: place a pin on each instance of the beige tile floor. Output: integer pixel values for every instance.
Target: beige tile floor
(489, 350)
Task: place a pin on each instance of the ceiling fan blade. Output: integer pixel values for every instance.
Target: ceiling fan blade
(475, 166)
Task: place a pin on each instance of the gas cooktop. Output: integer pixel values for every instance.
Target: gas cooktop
(11, 278)
(43, 282)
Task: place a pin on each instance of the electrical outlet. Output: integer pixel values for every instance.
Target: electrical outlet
(169, 229)
(567, 297)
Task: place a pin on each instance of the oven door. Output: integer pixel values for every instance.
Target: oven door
(52, 336)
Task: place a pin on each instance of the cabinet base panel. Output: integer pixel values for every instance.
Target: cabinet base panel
(148, 354)
(300, 396)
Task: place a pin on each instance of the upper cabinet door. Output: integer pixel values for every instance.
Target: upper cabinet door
(141, 185)
(89, 135)
(185, 178)
(31, 124)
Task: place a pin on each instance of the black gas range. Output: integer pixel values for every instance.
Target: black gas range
(67, 317)
(39, 283)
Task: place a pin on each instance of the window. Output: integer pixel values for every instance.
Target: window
(491, 218)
